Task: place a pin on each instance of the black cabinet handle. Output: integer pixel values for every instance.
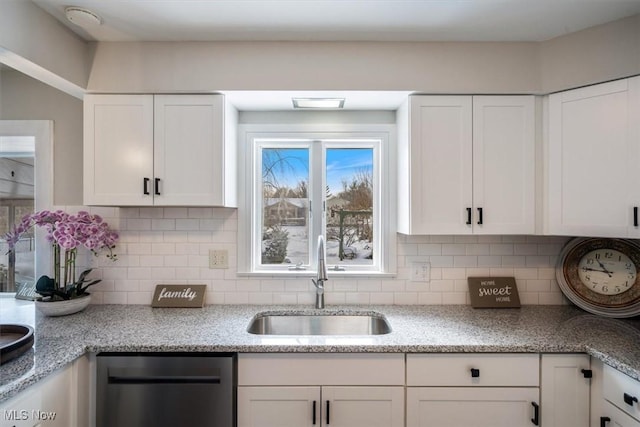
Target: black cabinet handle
(588, 373)
(475, 373)
(468, 216)
(479, 216)
(635, 216)
(536, 414)
(328, 410)
(314, 412)
(604, 421)
(628, 399)
(145, 186)
(157, 186)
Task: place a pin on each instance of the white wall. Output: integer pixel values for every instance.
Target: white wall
(23, 98)
(171, 245)
(30, 33)
(427, 67)
(596, 54)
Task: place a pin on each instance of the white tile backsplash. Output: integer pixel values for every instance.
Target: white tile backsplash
(171, 245)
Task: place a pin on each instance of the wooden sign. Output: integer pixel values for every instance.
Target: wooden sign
(493, 292)
(179, 296)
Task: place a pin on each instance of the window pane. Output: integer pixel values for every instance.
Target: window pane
(285, 205)
(349, 198)
(24, 249)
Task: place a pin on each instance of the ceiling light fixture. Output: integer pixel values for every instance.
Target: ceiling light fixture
(82, 17)
(326, 103)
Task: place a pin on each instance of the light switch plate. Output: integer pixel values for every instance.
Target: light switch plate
(420, 271)
(218, 258)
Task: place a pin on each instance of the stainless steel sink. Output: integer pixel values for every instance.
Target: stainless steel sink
(319, 324)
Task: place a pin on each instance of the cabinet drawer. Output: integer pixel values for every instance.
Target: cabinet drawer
(616, 418)
(621, 390)
(320, 369)
(473, 370)
(472, 406)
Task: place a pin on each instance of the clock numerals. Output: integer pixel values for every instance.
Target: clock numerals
(607, 271)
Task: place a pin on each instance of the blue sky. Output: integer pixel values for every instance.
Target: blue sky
(342, 163)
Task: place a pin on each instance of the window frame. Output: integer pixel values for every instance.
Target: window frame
(250, 167)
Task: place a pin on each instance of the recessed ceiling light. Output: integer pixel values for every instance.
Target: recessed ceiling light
(82, 17)
(318, 102)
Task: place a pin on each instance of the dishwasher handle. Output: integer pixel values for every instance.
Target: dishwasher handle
(129, 376)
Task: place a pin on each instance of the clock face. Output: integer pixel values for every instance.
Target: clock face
(607, 271)
(600, 275)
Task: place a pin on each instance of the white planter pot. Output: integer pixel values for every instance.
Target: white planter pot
(62, 308)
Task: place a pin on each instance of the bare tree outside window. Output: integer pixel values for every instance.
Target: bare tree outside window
(285, 204)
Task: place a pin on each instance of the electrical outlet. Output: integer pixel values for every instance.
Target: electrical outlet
(420, 271)
(218, 258)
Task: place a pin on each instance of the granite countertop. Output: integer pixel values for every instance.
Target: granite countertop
(222, 328)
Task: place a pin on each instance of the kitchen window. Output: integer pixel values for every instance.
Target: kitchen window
(302, 185)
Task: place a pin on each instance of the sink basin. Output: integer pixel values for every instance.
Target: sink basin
(319, 324)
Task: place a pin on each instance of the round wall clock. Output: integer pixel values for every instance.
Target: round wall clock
(601, 275)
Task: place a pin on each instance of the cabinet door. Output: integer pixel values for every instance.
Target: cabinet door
(504, 164)
(278, 406)
(477, 407)
(440, 163)
(592, 160)
(189, 151)
(363, 406)
(614, 417)
(46, 403)
(118, 149)
(564, 390)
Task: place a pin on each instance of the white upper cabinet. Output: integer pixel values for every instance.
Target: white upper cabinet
(593, 161)
(467, 165)
(118, 149)
(504, 164)
(164, 150)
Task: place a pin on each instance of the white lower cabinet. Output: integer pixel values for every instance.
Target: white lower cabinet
(278, 406)
(565, 388)
(471, 406)
(339, 390)
(55, 401)
(320, 406)
(614, 417)
(621, 395)
(479, 390)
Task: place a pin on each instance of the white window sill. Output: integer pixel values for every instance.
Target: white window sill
(312, 274)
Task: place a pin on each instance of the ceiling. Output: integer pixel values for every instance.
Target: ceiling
(341, 20)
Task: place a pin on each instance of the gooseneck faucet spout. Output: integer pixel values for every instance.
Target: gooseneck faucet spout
(322, 274)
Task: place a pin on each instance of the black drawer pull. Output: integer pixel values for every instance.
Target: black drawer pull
(604, 421)
(536, 414)
(588, 373)
(628, 399)
(145, 186)
(475, 373)
(328, 412)
(314, 412)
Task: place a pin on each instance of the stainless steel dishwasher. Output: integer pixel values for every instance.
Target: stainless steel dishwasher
(165, 390)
